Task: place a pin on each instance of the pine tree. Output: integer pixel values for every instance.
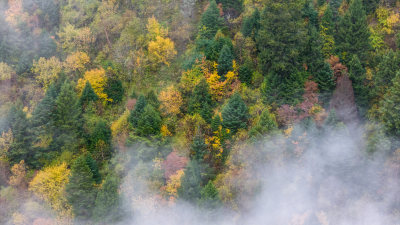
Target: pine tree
(235, 113)
(215, 123)
(245, 74)
(80, 191)
(353, 34)
(210, 198)
(201, 101)
(251, 25)
(152, 99)
(231, 4)
(211, 21)
(101, 133)
(390, 107)
(281, 38)
(149, 122)
(88, 95)
(225, 61)
(20, 148)
(327, 30)
(191, 182)
(107, 208)
(358, 77)
(67, 117)
(370, 5)
(310, 14)
(199, 148)
(114, 90)
(137, 111)
(93, 168)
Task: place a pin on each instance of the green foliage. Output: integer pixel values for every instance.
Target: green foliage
(191, 182)
(353, 34)
(137, 111)
(361, 90)
(390, 106)
(80, 191)
(231, 4)
(108, 202)
(251, 25)
(114, 90)
(152, 99)
(201, 102)
(149, 122)
(235, 114)
(215, 123)
(225, 61)
(245, 74)
(266, 124)
(199, 148)
(210, 21)
(310, 14)
(88, 95)
(210, 198)
(92, 164)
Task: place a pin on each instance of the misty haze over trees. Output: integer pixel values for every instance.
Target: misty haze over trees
(200, 112)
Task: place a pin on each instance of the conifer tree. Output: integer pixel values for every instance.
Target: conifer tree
(235, 113)
(358, 77)
(310, 14)
(225, 61)
(245, 74)
(215, 123)
(327, 31)
(149, 122)
(199, 148)
(211, 21)
(210, 198)
(137, 111)
(201, 101)
(88, 95)
(80, 191)
(353, 33)
(67, 116)
(93, 168)
(251, 25)
(107, 205)
(191, 182)
(114, 90)
(266, 124)
(390, 107)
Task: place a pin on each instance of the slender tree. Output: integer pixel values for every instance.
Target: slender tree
(235, 113)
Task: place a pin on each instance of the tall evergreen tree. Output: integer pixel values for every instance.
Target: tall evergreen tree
(225, 61)
(251, 25)
(191, 182)
(114, 90)
(327, 31)
(108, 202)
(199, 148)
(20, 148)
(266, 124)
(93, 168)
(281, 37)
(67, 117)
(245, 74)
(149, 122)
(310, 14)
(215, 123)
(211, 21)
(88, 95)
(390, 107)
(210, 198)
(137, 111)
(201, 101)
(353, 34)
(80, 190)
(361, 90)
(235, 113)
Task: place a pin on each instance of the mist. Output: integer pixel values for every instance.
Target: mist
(315, 176)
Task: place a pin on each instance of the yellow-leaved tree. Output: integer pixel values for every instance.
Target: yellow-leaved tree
(6, 72)
(161, 49)
(173, 184)
(46, 70)
(76, 62)
(49, 186)
(98, 79)
(171, 101)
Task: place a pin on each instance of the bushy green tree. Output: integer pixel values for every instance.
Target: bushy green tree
(80, 190)
(114, 90)
(137, 111)
(251, 25)
(352, 37)
(361, 90)
(149, 122)
(88, 95)
(225, 61)
(210, 198)
(191, 182)
(201, 102)
(215, 123)
(92, 164)
(310, 14)
(390, 107)
(108, 202)
(265, 124)
(235, 113)
(245, 74)
(211, 21)
(231, 4)
(199, 148)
